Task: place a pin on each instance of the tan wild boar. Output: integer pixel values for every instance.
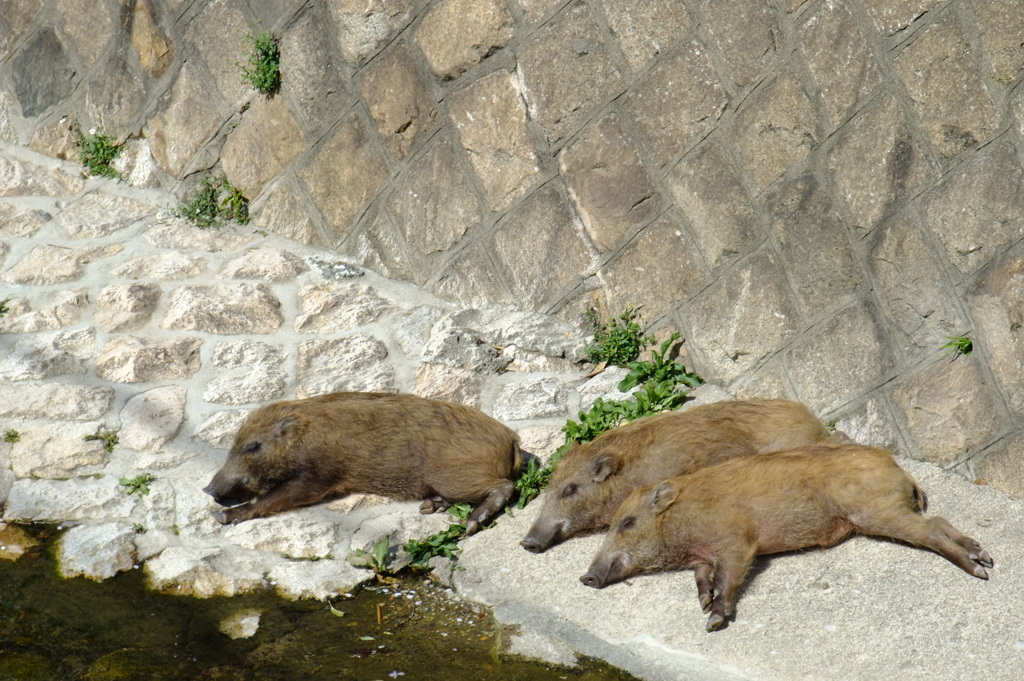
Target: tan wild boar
(300, 452)
(592, 479)
(718, 519)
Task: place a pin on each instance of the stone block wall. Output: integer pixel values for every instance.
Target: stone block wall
(816, 193)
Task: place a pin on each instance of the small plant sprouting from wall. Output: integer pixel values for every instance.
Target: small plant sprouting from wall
(107, 437)
(214, 202)
(960, 345)
(3, 306)
(619, 341)
(97, 151)
(12, 436)
(263, 71)
(140, 484)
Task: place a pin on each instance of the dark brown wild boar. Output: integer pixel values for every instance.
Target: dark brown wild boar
(592, 479)
(299, 452)
(718, 519)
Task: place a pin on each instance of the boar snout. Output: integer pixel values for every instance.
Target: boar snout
(543, 535)
(607, 569)
(592, 580)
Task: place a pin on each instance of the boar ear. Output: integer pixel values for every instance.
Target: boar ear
(287, 428)
(663, 496)
(604, 467)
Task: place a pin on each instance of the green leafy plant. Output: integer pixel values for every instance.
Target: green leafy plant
(263, 71)
(97, 151)
(961, 345)
(659, 370)
(3, 306)
(375, 559)
(107, 437)
(140, 484)
(214, 201)
(11, 435)
(619, 341)
(443, 543)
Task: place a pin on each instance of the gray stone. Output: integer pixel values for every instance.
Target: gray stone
(976, 212)
(871, 424)
(42, 73)
(263, 144)
(741, 319)
(242, 624)
(333, 308)
(657, 269)
(455, 345)
(379, 247)
(126, 307)
(813, 242)
(950, 409)
(17, 222)
(541, 441)
(349, 159)
(1001, 469)
(412, 329)
(54, 401)
(558, 256)
(536, 9)
(455, 35)
(315, 77)
(714, 201)
(63, 308)
(996, 304)
(353, 363)
(398, 100)
(167, 266)
(748, 37)
(15, 17)
(216, 32)
(89, 26)
(451, 384)
(224, 309)
(153, 418)
(264, 263)
(96, 551)
(436, 202)
(19, 178)
(364, 26)
(155, 50)
(137, 167)
(218, 429)
(839, 59)
(250, 372)
(645, 29)
(115, 94)
(608, 184)
(60, 501)
(39, 357)
(937, 70)
(567, 72)
(501, 325)
(130, 359)
(284, 212)
(57, 451)
(534, 398)
(47, 265)
(776, 128)
(189, 118)
(876, 164)
(678, 102)
(1002, 24)
(892, 16)
(490, 117)
(917, 296)
(181, 234)
(840, 360)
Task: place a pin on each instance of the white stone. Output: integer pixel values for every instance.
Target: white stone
(54, 401)
(38, 357)
(205, 571)
(291, 535)
(63, 500)
(358, 363)
(531, 399)
(218, 429)
(57, 450)
(97, 214)
(265, 264)
(334, 307)
(316, 579)
(151, 419)
(241, 624)
(96, 551)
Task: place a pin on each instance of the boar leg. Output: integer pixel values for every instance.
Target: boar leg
(705, 591)
(730, 569)
(494, 501)
(935, 533)
(292, 494)
(434, 504)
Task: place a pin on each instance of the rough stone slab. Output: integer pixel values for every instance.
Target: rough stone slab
(451, 384)
(97, 552)
(776, 128)
(399, 101)
(645, 29)
(412, 329)
(16, 17)
(131, 359)
(364, 26)
(457, 34)
(996, 305)
(349, 159)
(216, 33)
(490, 117)
(1001, 469)
(266, 140)
(558, 256)
(18, 222)
(657, 269)
(871, 424)
(609, 186)
(190, 117)
(714, 201)
(840, 359)
(126, 307)
(876, 164)
(218, 429)
(290, 535)
(97, 214)
(114, 94)
(937, 70)
(531, 399)
(265, 264)
(18, 178)
(284, 212)
(319, 579)
(814, 245)
(357, 363)
(152, 419)
(88, 26)
(248, 372)
(316, 78)
(567, 72)
(178, 233)
(1002, 24)
(47, 265)
(224, 309)
(59, 501)
(950, 409)
(39, 357)
(436, 203)
(748, 36)
(42, 73)
(57, 451)
(892, 16)
(678, 103)
(66, 402)
(204, 572)
(154, 49)
(167, 266)
(333, 308)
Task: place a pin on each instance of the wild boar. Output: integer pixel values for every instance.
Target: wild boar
(300, 452)
(592, 479)
(716, 520)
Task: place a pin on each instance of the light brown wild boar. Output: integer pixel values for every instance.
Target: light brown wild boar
(300, 452)
(592, 479)
(718, 519)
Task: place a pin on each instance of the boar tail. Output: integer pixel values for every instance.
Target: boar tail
(920, 499)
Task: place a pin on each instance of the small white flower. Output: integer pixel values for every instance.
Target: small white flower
(92, 131)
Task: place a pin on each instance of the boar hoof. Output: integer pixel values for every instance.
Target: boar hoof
(221, 517)
(715, 622)
(981, 572)
(472, 527)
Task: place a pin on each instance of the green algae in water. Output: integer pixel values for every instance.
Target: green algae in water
(53, 628)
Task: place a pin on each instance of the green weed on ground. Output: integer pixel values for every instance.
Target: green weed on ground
(214, 202)
(107, 437)
(263, 70)
(140, 483)
(97, 151)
